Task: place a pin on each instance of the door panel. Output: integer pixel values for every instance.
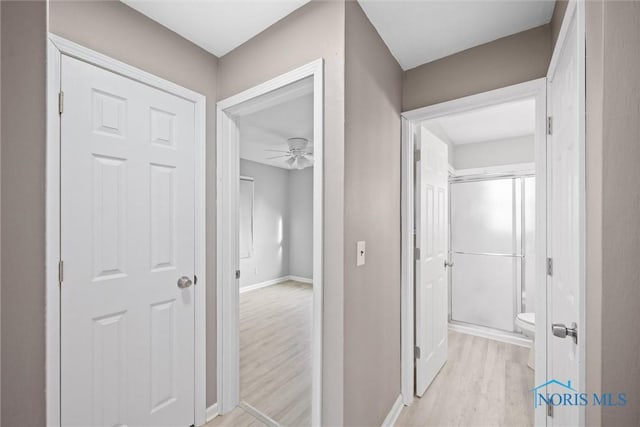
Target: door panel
(431, 284)
(127, 233)
(563, 206)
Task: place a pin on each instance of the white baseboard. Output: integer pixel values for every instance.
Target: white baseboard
(274, 282)
(301, 279)
(263, 284)
(491, 334)
(212, 412)
(394, 413)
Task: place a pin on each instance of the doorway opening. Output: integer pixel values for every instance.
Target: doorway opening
(559, 303)
(270, 249)
(276, 259)
(475, 211)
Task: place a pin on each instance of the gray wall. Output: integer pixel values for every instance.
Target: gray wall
(314, 31)
(23, 203)
(494, 153)
(507, 61)
(112, 28)
(270, 259)
(301, 223)
(556, 20)
(372, 213)
(594, 208)
(621, 209)
(0, 216)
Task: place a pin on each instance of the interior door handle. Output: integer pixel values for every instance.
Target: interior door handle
(448, 264)
(184, 282)
(561, 331)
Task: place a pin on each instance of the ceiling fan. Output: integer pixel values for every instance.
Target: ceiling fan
(299, 155)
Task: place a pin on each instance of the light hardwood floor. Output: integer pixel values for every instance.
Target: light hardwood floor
(483, 383)
(275, 355)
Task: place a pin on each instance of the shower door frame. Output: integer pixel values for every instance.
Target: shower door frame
(411, 120)
(512, 172)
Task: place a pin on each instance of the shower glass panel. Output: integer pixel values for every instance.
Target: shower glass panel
(488, 247)
(528, 285)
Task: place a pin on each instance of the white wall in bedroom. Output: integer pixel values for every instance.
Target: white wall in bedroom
(283, 224)
(301, 223)
(270, 258)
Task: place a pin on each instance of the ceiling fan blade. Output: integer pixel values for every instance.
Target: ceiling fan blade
(276, 157)
(276, 151)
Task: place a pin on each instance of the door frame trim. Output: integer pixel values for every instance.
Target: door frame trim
(536, 89)
(227, 155)
(56, 48)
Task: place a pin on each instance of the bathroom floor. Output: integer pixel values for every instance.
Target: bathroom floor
(484, 382)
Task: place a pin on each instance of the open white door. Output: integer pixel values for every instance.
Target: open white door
(127, 243)
(431, 283)
(565, 107)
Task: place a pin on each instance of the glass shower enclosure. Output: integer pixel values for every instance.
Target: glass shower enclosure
(492, 225)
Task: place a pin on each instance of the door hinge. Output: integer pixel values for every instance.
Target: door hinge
(549, 123)
(237, 274)
(549, 267)
(61, 102)
(550, 410)
(416, 155)
(416, 254)
(416, 352)
(60, 272)
(195, 279)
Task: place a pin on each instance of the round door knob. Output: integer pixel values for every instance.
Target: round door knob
(184, 282)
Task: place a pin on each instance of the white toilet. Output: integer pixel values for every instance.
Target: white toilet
(527, 322)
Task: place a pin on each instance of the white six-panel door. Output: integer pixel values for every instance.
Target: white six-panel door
(432, 239)
(563, 205)
(127, 235)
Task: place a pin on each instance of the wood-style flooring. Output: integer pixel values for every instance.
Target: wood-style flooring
(483, 383)
(275, 355)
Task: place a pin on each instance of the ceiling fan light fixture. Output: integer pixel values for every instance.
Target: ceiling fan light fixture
(290, 161)
(297, 143)
(303, 162)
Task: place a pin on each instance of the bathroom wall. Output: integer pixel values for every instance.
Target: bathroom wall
(494, 153)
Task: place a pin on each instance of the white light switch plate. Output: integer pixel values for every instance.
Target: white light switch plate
(362, 252)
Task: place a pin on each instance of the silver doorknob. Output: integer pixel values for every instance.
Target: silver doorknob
(561, 331)
(184, 282)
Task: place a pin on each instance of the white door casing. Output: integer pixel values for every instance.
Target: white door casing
(127, 235)
(535, 89)
(431, 283)
(565, 213)
(229, 110)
